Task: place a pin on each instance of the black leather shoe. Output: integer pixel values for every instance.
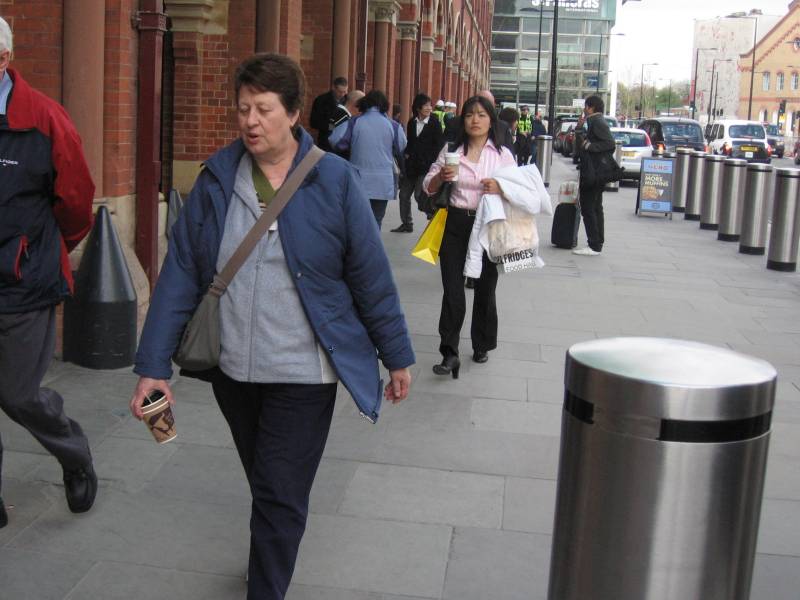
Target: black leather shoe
(80, 487)
(3, 514)
(403, 229)
(449, 365)
(469, 283)
(480, 356)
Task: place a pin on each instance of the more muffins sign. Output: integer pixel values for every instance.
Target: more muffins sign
(655, 185)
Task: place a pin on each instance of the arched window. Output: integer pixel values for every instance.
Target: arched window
(795, 81)
(765, 81)
(779, 82)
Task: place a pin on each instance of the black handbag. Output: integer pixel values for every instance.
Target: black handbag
(599, 168)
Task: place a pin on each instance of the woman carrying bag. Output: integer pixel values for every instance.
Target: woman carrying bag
(313, 304)
(480, 155)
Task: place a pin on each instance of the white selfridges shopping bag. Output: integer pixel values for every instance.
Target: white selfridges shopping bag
(514, 242)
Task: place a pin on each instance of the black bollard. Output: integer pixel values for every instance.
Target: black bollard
(100, 319)
(174, 206)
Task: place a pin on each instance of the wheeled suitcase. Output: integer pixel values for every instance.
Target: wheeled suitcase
(566, 222)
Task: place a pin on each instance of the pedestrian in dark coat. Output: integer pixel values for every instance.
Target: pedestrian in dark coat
(324, 108)
(425, 140)
(598, 141)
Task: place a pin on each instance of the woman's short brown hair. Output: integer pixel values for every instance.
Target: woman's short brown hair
(274, 73)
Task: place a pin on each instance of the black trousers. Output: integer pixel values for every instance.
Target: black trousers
(280, 432)
(27, 341)
(452, 255)
(592, 213)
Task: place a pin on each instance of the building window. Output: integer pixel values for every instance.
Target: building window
(765, 81)
(795, 81)
(779, 81)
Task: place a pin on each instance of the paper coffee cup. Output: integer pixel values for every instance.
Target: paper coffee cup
(452, 159)
(160, 421)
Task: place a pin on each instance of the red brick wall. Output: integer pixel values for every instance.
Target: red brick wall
(119, 99)
(291, 23)
(37, 26)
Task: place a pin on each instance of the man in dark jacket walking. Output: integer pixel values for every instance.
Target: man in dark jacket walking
(45, 210)
(323, 109)
(598, 142)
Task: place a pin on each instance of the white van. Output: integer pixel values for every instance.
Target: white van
(740, 139)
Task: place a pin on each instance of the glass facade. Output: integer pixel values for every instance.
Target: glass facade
(583, 43)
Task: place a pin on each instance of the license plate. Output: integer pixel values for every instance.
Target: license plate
(629, 154)
(749, 148)
(748, 155)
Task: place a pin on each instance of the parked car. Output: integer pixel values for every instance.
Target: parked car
(670, 133)
(568, 147)
(775, 139)
(636, 145)
(740, 139)
(558, 141)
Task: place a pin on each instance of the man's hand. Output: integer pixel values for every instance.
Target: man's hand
(397, 389)
(144, 387)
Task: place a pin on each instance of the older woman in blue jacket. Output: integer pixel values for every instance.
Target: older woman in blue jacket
(313, 305)
(376, 144)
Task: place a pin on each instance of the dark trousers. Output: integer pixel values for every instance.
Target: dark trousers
(452, 255)
(27, 341)
(409, 186)
(280, 432)
(591, 199)
(379, 210)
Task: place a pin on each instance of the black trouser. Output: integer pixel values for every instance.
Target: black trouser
(27, 341)
(591, 199)
(452, 255)
(280, 432)
(409, 185)
(379, 210)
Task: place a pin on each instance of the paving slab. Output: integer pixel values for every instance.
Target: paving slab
(40, 575)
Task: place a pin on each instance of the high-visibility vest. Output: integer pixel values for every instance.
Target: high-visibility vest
(440, 115)
(525, 124)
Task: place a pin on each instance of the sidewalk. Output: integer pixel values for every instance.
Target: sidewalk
(451, 494)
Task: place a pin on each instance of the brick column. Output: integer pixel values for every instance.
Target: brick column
(342, 16)
(83, 73)
(426, 68)
(437, 76)
(268, 29)
(408, 37)
(383, 18)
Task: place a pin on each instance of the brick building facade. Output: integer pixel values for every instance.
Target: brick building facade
(149, 83)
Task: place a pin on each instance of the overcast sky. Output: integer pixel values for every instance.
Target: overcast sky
(662, 30)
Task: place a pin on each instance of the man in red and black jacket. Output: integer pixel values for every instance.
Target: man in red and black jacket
(46, 195)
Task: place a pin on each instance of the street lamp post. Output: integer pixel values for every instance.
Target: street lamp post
(694, 83)
(551, 100)
(538, 62)
(641, 89)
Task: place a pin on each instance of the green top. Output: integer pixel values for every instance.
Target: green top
(264, 188)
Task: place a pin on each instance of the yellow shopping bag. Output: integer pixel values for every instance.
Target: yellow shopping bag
(430, 241)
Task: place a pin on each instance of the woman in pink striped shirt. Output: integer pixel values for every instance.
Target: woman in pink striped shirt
(480, 156)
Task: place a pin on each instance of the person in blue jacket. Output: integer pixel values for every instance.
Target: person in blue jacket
(314, 304)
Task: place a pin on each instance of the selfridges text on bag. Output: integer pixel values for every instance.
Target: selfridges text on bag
(514, 242)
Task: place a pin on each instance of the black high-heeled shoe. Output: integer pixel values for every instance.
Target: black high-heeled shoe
(450, 365)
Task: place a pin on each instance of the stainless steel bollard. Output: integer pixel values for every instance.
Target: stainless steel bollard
(697, 163)
(544, 156)
(681, 179)
(730, 205)
(712, 189)
(784, 234)
(753, 239)
(613, 186)
(663, 454)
